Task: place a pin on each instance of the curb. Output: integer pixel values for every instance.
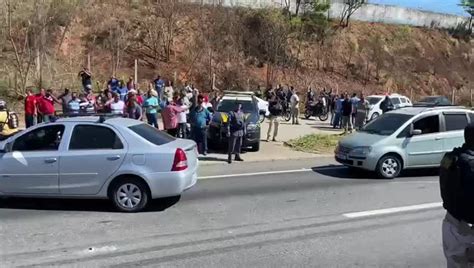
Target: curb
(209, 163)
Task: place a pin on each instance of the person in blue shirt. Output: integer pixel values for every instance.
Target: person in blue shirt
(200, 118)
(159, 85)
(338, 112)
(74, 105)
(122, 90)
(151, 105)
(113, 84)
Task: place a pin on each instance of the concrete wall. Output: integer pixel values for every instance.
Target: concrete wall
(369, 12)
(399, 15)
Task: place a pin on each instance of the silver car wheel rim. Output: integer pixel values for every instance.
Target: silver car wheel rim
(129, 195)
(390, 167)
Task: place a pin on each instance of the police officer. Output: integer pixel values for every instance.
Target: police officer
(457, 191)
(235, 132)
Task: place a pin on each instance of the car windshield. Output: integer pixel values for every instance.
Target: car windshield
(152, 134)
(386, 124)
(230, 105)
(374, 100)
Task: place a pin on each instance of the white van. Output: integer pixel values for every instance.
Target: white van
(398, 101)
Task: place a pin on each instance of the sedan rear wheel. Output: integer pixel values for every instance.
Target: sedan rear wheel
(130, 195)
(389, 167)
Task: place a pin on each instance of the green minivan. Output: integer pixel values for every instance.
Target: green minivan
(408, 138)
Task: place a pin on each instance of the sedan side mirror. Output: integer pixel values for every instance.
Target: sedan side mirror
(416, 132)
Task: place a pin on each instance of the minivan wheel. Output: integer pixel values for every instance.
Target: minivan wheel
(130, 195)
(389, 167)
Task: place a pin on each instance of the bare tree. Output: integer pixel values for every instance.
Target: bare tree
(350, 7)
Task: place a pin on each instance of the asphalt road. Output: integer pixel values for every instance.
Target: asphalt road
(279, 214)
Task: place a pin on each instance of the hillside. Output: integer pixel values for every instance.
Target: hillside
(242, 48)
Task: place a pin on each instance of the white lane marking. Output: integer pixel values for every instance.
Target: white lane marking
(302, 170)
(392, 210)
(99, 250)
(415, 182)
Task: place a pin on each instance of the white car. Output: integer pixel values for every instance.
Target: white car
(398, 101)
(121, 159)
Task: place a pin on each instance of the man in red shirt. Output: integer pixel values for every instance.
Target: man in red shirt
(30, 109)
(46, 105)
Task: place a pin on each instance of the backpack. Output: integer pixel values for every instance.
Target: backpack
(457, 183)
(236, 122)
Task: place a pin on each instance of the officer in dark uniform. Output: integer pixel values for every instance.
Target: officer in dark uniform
(457, 191)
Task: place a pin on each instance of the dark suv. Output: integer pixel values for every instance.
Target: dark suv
(218, 127)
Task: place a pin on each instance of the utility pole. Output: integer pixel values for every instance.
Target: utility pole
(136, 71)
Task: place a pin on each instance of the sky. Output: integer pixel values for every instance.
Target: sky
(443, 6)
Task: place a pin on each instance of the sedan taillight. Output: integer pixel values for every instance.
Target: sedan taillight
(180, 162)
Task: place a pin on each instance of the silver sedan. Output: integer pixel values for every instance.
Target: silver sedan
(124, 160)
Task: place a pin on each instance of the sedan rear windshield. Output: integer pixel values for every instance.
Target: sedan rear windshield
(152, 134)
(230, 105)
(386, 124)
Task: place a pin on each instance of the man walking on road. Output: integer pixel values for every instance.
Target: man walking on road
(235, 133)
(457, 191)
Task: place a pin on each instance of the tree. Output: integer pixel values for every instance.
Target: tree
(350, 7)
(468, 6)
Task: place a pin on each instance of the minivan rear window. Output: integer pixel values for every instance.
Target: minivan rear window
(152, 134)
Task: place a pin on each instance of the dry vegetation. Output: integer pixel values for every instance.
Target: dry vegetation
(45, 42)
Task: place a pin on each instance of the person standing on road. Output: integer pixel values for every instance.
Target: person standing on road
(200, 118)
(386, 105)
(117, 106)
(362, 110)
(235, 132)
(30, 109)
(183, 117)
(354, 100)
(275, 108)
(457, 192)
(295, 109)
(338, 112)
(74, 105)
(113, 84)
(46, 106)
(170, 117)
(65, 99)
(159, 85)
(151, 105)
(86, 78)
(346, 114)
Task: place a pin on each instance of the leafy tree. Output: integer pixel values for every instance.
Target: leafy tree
(350, 7)
(468, 6)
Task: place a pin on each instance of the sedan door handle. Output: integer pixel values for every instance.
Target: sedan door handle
(438, 138)
(51, 160)
(113, 158)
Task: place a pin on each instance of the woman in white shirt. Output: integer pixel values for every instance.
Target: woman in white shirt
(182, 118)
(117, 106)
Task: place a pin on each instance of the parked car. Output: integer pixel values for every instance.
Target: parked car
(398, 101)
(414, 137)
(434, 101)
(121, 159)
(218, 127)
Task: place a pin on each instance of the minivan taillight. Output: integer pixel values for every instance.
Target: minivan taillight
(180, 162)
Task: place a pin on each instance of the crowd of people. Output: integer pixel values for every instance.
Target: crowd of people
(178, 108)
